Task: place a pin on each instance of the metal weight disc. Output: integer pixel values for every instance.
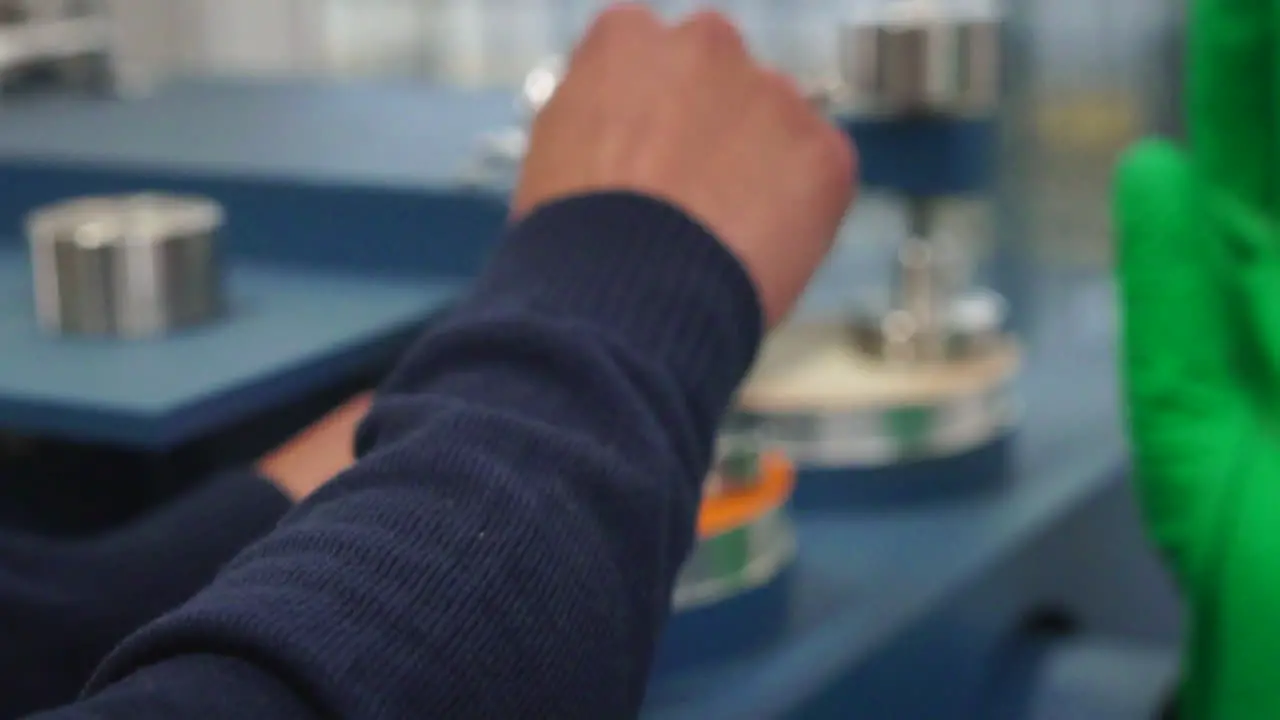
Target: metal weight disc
(921, 57)
(126, 266)
(864, 432)
(826, 405)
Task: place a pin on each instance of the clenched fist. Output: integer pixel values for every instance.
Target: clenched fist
(684, 114)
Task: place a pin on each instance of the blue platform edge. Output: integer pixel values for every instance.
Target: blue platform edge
(288, 332)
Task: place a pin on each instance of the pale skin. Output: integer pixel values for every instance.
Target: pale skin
(318, 453)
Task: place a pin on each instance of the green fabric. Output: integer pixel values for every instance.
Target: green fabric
(1200, 282)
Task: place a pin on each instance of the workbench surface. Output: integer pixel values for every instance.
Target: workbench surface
(376, 134)
(288, 332)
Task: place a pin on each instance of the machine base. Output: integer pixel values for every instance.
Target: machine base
(733, 627)
(974, 473)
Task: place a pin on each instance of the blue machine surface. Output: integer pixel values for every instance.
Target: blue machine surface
(362, 180)
(287, 332)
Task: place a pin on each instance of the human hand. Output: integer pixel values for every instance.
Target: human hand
(685, 115)
(1199, 269)
(317, 454)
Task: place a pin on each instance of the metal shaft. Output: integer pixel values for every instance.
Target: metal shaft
(922, 285)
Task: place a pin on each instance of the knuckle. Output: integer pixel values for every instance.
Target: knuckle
(622, 18)
(712, 31)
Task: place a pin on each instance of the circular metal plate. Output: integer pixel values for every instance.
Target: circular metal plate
(824, 404)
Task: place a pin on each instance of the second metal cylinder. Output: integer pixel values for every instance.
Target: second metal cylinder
(126, 266)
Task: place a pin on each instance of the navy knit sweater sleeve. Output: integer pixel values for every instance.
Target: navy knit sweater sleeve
(507, 543)
(65, 604)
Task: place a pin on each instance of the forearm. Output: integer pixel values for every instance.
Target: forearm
(507, 543)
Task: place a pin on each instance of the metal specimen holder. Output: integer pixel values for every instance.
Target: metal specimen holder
(128, 266)
(925, 371)
(912, 59)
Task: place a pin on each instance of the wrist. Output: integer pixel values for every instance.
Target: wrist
(641, 271)
(317, 454)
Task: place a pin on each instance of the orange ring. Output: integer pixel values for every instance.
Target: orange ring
(730, 510)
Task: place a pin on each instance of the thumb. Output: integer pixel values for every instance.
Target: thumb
(1183, 408)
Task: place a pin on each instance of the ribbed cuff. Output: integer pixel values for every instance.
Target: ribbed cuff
(644, 272)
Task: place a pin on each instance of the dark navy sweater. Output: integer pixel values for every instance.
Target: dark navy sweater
(528, 482)
(64, 604)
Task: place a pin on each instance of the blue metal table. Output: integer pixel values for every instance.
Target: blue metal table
(288, 331)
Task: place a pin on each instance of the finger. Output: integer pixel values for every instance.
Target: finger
(1185, 412)
(712, 33)
(707, 50)
(624, 24)
(1232, 84)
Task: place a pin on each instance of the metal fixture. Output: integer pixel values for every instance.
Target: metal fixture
(126, 266)
(908, 60)
(926, 369)
(919, 57)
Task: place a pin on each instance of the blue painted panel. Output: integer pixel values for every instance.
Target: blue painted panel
(926, 156)
(981, 471)
(741, 625)
(364, 176)
(288, 332)
(381, 231)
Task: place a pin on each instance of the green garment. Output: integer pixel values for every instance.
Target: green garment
(1199, 268)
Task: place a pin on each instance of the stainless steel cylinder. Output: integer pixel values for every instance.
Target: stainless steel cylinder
(126, 266)
(970, 325)
(920, 57)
